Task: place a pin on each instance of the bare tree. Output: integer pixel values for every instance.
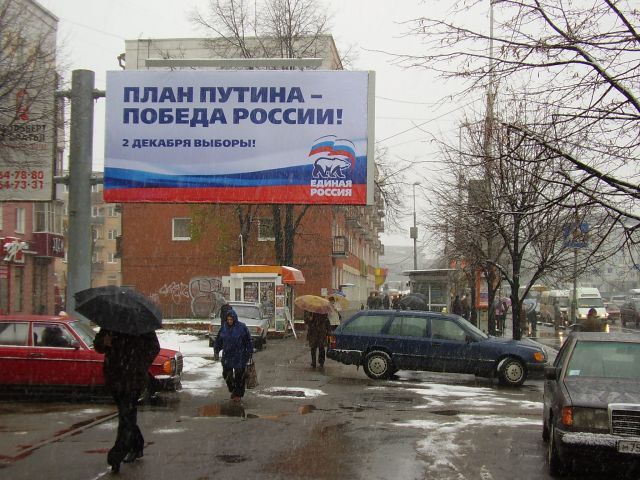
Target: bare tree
(499, 215)
(576, 61)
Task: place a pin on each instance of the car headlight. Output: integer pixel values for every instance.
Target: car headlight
(539, 356)
(586, 418)
(169, 367)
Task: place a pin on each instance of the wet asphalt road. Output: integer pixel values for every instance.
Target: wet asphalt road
(298, 423)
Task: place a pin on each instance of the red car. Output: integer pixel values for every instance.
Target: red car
(56, 352)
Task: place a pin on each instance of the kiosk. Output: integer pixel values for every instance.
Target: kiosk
(270, 285)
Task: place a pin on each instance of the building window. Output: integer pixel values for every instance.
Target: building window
(112, 211)
(265, 230)
(181, 229)
(95, 258)
(96, 233)
(20, 216)
(111, 258)
(48, 217)
(95, 188)
(113, 234)
(97, 211)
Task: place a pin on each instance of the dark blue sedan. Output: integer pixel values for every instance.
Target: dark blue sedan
(385, 341)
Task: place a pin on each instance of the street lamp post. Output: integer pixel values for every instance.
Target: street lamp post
(413, 232)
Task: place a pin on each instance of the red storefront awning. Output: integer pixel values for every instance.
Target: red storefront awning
(292, 276)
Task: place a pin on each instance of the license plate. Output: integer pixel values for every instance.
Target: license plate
(629, 446)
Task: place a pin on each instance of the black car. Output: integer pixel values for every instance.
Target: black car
(591, 413)
(630, 313)
(385, 341)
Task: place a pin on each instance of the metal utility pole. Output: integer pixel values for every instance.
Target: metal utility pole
(413, 233)
(82, 95)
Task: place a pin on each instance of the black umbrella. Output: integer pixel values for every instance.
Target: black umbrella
(413, 302)
(119, 309)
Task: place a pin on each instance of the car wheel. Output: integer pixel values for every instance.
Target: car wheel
(377, 365)
(545, 431)
(554, 462)
(511, 372)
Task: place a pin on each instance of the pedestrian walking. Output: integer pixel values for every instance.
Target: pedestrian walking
(234, 340)
(127, 359)
(386, 302)
(464, 305)
(335, 318)
(592, 323)
(456, 307)
(318, 327)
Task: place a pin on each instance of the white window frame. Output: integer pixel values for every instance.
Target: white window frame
(113, 234)
(20, 220)
(111, 211)
(97, 211)
(111, 257)
(180, 238)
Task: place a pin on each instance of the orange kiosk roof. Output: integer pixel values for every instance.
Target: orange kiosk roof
(290, 275)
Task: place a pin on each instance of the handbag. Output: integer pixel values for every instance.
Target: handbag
(250, 374)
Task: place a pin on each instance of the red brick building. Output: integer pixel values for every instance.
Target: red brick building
(169, 251)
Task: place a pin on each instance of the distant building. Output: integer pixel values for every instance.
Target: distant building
(31, 234)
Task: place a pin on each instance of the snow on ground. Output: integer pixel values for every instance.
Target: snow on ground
(198, 357)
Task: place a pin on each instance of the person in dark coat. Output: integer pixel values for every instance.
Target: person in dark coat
(127, 359)
(235, 342)
(456, 307)
(386, 302)
(318, 327)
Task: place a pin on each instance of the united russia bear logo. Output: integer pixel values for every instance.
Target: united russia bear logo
(334, 158)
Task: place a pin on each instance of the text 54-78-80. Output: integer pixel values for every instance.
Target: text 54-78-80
(21, 179)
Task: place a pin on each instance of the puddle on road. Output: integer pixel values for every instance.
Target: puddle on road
(232, 458)
(223, 410)
(446, 413)
(235, 410)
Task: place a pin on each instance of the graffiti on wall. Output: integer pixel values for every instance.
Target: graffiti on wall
(205, 295)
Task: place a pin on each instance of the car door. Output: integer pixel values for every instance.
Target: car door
(408, 342)
(14, 353)
(57, 357)
(450, 351)
(552, 394)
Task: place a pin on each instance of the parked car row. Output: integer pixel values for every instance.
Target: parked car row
(55, 353)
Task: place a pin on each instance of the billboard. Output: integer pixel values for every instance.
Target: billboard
(274, 136)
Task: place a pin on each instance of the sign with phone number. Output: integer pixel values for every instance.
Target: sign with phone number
(20, 180)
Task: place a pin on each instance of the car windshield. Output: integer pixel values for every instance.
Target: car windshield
(471, 327)
(605, 359)
(247, 311)
(595, 302)
(84, 331)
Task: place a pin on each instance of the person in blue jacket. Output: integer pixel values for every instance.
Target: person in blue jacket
(235, 342)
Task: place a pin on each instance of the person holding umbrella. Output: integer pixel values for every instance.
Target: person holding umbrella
(318, 327)
(235, 342)
(127, 359)
(316, 317)
(127, 338)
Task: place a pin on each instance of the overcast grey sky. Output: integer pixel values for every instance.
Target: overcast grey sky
(92, 34)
